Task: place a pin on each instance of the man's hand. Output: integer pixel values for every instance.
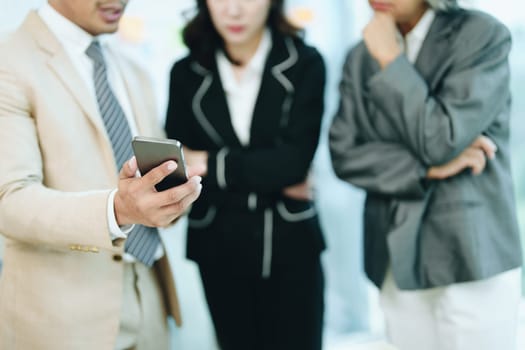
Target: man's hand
(473, 157)
(380, 38)
(138, 202)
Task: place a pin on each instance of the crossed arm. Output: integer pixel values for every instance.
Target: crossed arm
(438, 124)
(440, 133)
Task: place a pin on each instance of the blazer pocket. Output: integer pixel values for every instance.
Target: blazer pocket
(294, 211)
(204, 219)
(452, 243)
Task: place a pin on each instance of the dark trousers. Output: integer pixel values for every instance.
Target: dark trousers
(282, 312)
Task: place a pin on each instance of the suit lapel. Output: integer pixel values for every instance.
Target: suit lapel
(433, 59)
(210, 107)
(60, 63)
(65, 71)
(134, 88)
(215, 107)
(275, 88)
(268, 115)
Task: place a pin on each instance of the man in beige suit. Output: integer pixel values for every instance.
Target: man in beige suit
(69, 280)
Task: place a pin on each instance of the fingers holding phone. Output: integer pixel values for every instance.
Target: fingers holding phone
(151, 152)
(178, 199)
(163, 193)
(380, 38)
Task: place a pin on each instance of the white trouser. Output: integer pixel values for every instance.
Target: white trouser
(479, 315)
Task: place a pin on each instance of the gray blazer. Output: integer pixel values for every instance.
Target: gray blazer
(395, 123)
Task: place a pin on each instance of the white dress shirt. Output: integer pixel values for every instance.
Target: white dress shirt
(75, 42)
(241, 95)
(414, 39)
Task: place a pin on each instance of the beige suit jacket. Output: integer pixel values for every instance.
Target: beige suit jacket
(61, 284)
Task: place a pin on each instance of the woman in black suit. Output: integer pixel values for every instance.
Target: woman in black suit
(247, 104)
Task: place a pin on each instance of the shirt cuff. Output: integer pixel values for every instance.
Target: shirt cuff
(116, 231)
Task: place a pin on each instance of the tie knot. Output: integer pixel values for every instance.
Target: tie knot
(94, 51)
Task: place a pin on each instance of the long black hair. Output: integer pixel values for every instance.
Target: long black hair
(202, 39)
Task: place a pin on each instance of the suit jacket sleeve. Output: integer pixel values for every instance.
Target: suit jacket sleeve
(374, 165)
(30, 212)
(437, 125)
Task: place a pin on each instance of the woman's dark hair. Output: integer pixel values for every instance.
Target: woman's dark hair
(202, 39)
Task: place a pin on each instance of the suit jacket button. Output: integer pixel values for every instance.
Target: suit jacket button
(117, 257)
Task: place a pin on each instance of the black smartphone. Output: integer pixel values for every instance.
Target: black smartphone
(151, 152)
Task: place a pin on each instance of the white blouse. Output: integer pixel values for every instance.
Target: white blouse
(241, 95)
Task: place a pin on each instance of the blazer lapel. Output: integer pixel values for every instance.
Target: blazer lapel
(215, 107)
(65, 71)
(271, 110)
(434, 56)
(142, 114)
(60, 63)
(211, 108)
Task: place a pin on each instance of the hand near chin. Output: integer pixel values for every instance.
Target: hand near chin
(380, 37)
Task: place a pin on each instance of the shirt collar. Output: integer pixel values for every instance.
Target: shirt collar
(68, 33)
(254, 68)
(413, 40)
(256, 64)
(420, 31)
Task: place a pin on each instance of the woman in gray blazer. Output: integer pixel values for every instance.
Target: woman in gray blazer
(423, 127)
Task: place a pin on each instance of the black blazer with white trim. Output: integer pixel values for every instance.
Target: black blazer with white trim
(243, 182)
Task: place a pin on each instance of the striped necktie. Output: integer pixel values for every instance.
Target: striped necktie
(142, 241)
